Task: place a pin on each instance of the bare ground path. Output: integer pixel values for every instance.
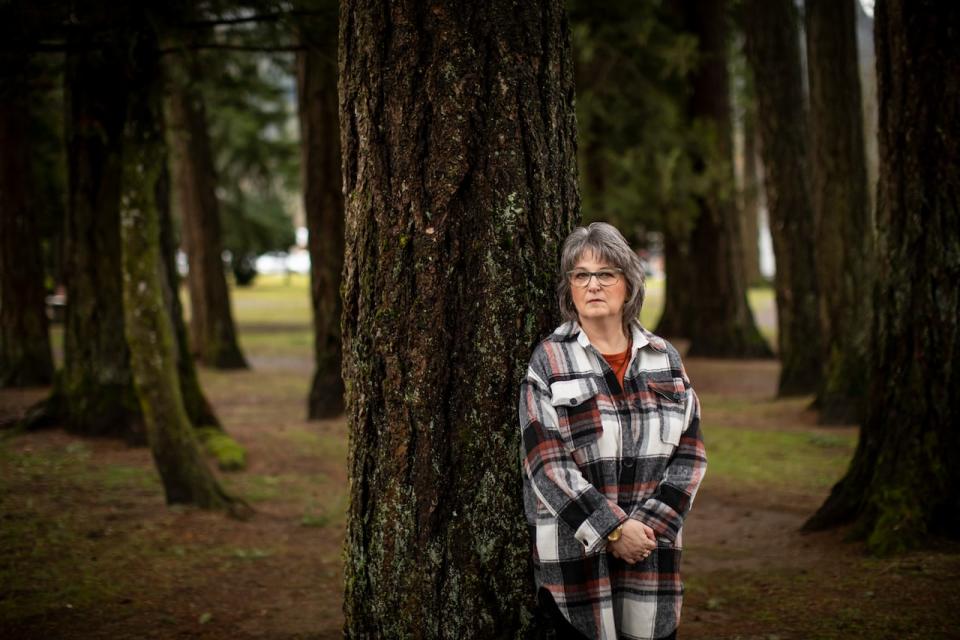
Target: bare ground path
(88, 550)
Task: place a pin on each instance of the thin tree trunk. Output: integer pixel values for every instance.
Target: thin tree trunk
(845, 230)
(199, 411)
(751, 195)
(212, 331)
(459, 163)
(773, 51)
(323, 203)
(94, 392)
(185, 475)
(706, 297)
(25, 358)
(903, 482)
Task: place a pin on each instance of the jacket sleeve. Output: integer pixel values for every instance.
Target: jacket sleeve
(665, 510)
(557, 481)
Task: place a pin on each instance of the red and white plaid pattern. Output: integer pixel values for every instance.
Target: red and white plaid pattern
(594, 454)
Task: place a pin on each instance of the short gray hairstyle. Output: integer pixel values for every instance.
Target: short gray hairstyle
(607, 245)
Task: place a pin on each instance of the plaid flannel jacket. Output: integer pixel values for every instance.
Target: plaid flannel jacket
(594, 454)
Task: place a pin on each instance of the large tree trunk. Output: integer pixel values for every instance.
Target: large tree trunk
(94, 393)
(323, 203)
(773, 51)
(706, 297)
(903, 482)
(212, 331)
(185, 475)
(25, 358)
(459, 163)
(845, 230)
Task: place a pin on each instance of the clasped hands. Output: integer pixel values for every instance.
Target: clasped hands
(636, 542)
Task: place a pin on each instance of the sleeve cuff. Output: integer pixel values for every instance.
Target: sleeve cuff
(593, 532)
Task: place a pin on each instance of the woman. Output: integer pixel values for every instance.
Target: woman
(612, 453)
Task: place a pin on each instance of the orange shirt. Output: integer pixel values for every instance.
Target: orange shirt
(618, 362)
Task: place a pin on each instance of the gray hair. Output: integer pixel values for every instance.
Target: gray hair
(607, 245)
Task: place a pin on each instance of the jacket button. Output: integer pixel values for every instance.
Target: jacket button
(628, 462)
(574, 402)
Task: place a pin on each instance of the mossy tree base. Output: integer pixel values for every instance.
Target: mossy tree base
(183, 471)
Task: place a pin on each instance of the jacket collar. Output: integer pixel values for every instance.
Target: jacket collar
(571, 330)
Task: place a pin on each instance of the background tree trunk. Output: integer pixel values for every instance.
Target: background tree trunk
(706, 294)
(752, 194)
(845, 230)
(94, 393)
(459, 163)
(199, 411)
(903, 482)
(185, 475)
(323, 203)
(25, 358)
(212, 332)
(773, 51)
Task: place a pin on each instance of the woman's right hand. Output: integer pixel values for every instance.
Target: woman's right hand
(636, 542)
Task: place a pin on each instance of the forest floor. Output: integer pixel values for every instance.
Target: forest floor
(89, 550)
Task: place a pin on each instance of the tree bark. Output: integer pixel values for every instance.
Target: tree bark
(459, 164)
(903, 482)
(706, 294)
(94, 394)
(773, 52)
(212, 331)
(25, 358)
(845, 229)
(185, 475)
(323, 203)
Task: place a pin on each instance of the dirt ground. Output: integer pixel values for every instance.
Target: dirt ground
(88, 549)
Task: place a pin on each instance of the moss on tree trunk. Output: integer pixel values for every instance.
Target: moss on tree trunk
(459, 149)
(94, 392)
(185, 475)
(903, 483)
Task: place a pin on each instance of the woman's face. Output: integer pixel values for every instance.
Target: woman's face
(595, 301)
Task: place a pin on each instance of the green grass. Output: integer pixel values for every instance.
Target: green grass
(764, 458)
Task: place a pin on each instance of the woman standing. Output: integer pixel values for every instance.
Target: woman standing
(612, 453)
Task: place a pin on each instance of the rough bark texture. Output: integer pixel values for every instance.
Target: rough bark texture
(459, 162)
(845, 229)
(94, 392)
(903, 482)
(706, 297)
(212, 332)
(25, 357)
(323, 203)
(773, 52)
(185, 475)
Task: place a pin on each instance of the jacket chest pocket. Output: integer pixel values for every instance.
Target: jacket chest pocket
(671, 404)
(578, 414)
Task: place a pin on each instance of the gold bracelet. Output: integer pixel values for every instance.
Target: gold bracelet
(615, 534)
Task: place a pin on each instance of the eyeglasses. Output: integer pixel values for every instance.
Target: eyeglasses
(606, 277)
